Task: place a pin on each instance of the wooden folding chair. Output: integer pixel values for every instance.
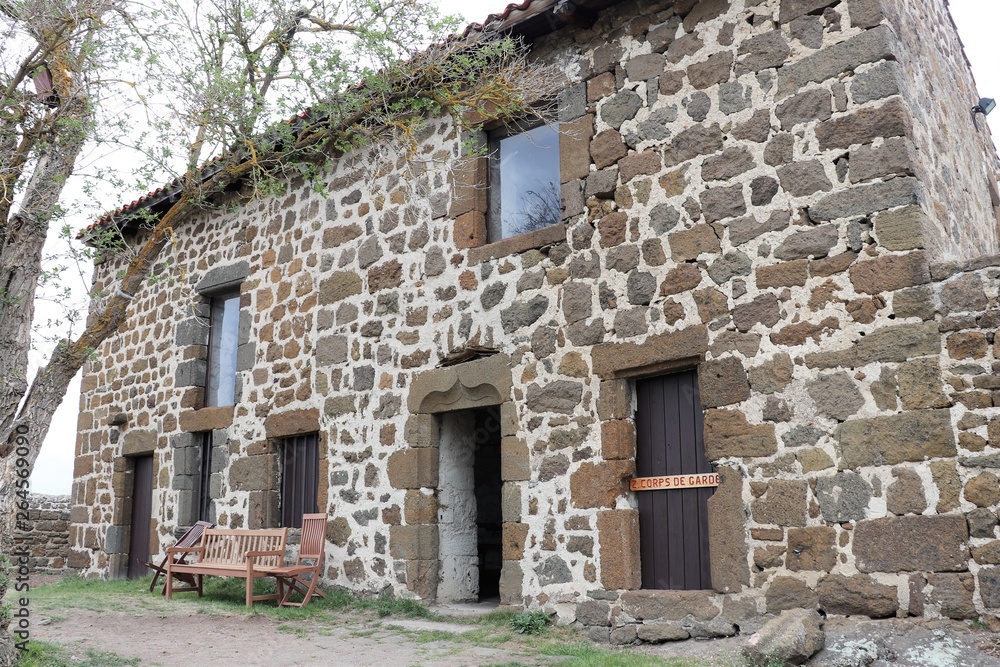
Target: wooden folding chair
(189, 539)
(312, 547)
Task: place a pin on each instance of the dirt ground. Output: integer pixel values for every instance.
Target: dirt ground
(223, 641)
(237, 641)
(171, 633)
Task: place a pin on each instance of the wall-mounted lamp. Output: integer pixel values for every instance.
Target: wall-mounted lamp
(985, 106)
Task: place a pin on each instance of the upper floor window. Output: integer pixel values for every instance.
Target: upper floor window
(524, 181)
(224, 327)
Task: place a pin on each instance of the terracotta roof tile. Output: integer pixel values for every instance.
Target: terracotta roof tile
(499, 17)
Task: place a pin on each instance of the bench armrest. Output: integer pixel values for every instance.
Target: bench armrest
(172, 551)
(252, 556)
(178, 550)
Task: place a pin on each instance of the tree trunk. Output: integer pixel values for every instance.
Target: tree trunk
(24, 441)
(22, 433)
(20, 263)
(8, 507)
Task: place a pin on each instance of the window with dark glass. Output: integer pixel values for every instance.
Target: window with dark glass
(524, 181)
(224, 325)
(299, 478)
(205, 477)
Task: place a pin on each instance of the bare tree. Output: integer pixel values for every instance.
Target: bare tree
(213, 80)
(538, 208)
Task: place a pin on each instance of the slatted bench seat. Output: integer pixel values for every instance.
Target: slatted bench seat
(227, 552)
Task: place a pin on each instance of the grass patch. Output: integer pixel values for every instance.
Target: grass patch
(428, 636)
(498, 618)
(224, 596)
(292, 630)
(44, 654)
(588, 655)
(391, 606)
(57, 599)
(72, 587)
(485, 636)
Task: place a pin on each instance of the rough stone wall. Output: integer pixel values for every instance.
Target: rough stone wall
(48, 540)
(955, 155)
(739, 195)
(143, 394)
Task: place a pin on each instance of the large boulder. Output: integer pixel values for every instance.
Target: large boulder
(790, 639)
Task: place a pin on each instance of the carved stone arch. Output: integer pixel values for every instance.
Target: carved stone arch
(474, 384)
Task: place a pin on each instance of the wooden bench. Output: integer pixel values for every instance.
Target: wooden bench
(226, 552)
(188, 539)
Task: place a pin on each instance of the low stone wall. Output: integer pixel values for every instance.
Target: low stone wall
(659, 616)
(47, 539)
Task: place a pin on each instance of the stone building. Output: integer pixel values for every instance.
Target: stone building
(774, 257)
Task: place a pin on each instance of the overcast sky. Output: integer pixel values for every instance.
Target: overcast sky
(977, 22)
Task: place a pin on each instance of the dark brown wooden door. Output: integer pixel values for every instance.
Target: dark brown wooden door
(142, 514)
(673, 524)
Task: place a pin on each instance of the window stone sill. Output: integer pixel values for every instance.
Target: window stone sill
(518, 244)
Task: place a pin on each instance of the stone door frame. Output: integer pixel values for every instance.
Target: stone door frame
(619, 365)
(481, 383)
(140, 533)
(135, 443)
(673, 524)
